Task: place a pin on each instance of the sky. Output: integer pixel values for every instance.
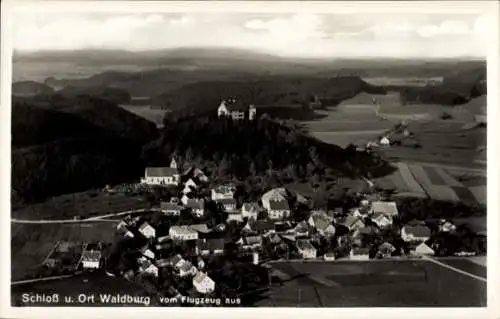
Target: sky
(291, 35)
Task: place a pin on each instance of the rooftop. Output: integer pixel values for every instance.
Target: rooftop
(303, 244)
(160, 171)
(278, 205)
(387, 208)
(91, 255)
(195, 203)
(184, 230)
(200, 277)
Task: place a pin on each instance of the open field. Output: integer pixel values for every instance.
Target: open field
(86, 204)
(144, 111)
(30, 243)
(435, 182)
(88, 284)
(375, 284)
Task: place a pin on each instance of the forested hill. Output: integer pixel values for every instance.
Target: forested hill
(88, 144)
(263, 147)
(271, 91)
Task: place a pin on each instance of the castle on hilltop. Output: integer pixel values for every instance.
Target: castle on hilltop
(236, 110)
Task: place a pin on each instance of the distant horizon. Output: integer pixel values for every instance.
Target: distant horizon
(291, 35)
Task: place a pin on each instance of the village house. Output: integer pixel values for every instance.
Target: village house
(223, 192)
(197, 206)
(125, 232)
(329, 256)
(147, 267)
(200, 175)
(161, 175)
(200, 263)
(91, 259)
(306, 249)
(359, 254)
(322, 223)
(189, 186)
(353, 223)
(148, 253)
(381, 220)
(200, 228)
(162, 238)
(250, 242)
(147, 230)
(182, 233)
(234, 217)
(203, 284)
(446, 226)
(229, 204)
(262, 227)
(278, 209)
(186, 268)
(390, 209)
(302, 229)
(385, 141)
(250, 210)
(275, 194)
(176, 261)
(170, 209)
(422, 249)
(211, 246)
(415, 233)
(385, 250)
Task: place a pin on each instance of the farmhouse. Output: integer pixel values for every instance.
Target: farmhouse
(91, 259)
(182, 233)
(212, 246)
(203, 283)
(148, 253)
(229, 204)
(197, 206)
(223, 192)
(147, 230)
(353, 222)
(278, 209)
(260, 226)
(275, 194)
(415, 233)
(359, 254)
(302, 229)
(148, 267)
(387, 208)
(161, 176)
(306, 249)
(170, 208)
(250, 210)
(186, 268)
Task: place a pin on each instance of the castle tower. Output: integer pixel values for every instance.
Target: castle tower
(252, 112)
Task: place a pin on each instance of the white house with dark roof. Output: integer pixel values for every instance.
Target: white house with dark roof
(423, 249)
(161, 176)
(186, 268)
(235, 216)
(223, 192)
(170, 208)
(359, 254)
(381, 220)
(234, 109)
(278, 209)
(415, 233)
(147, 230)
(182, 233)
(352, 222)
(250, 210)
(197, 206)
(229, 204)
(91, 259)
(203, 284)
(322, 222)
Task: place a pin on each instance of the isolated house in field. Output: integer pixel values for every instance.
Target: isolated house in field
(278, 209)
(161, 176)
(223, 192)
(229, 204)
(415, 233)
(389, 209)
(306, 249)
(359, 254)
(423, 249)
(250, 210)
(91, 259)
(182, 233)
(203, 284)
(147, 230)
(197, 206)
(170, 208)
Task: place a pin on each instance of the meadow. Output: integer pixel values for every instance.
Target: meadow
(80, 205)
(374, 284)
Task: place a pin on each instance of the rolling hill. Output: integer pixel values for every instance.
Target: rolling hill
(30, 88)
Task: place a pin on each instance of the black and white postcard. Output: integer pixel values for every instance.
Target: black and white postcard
(321, 155)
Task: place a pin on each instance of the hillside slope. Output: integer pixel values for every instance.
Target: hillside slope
(29, 88)
(90, 144)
